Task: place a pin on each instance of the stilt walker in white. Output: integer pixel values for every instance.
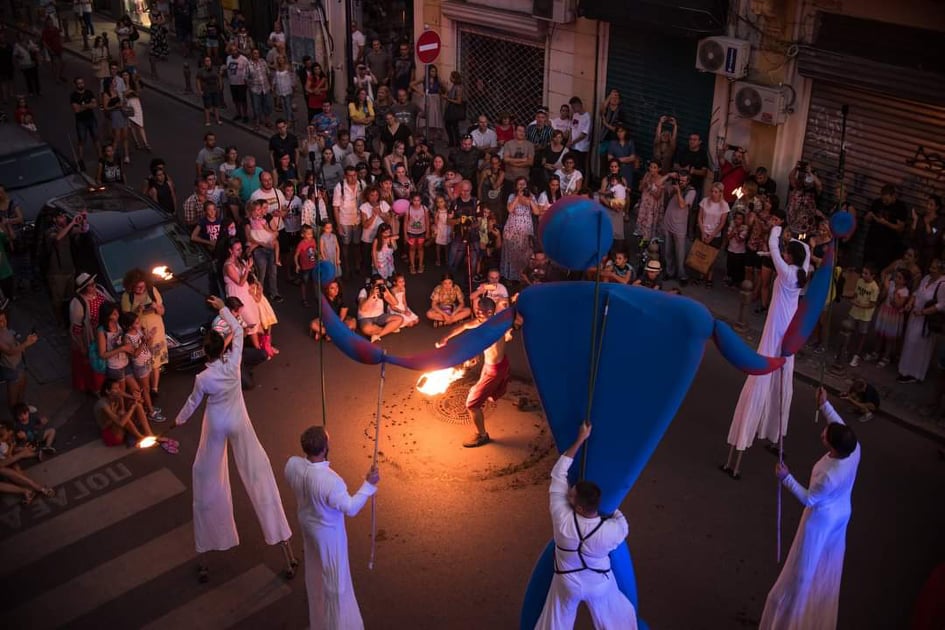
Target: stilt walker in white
(583, 540)
(323, 503)
(762, 407)
(226, 421)
(807, 592)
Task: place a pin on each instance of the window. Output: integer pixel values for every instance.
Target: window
(30, 168)
(165, 244)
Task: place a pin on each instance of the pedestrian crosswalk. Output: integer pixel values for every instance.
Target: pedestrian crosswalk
(97, 494)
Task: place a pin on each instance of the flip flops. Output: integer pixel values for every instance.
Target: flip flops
(171, 446)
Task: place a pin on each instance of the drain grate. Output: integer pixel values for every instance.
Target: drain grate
(450, 406)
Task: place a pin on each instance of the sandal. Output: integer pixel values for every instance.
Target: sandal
(47, 491)
(28, 497)
(420, 270)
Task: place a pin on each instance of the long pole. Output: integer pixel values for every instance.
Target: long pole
(321, 342)
(426, 103)
(377, 439)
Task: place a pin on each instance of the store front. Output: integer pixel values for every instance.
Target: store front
(895, 110)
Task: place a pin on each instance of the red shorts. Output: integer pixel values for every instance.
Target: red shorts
(492, 384)
(111, 438)
(415, 241)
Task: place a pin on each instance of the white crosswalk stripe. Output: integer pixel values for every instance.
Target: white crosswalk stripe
(105, 492)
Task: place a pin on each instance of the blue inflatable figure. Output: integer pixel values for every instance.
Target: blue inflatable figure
(577, 337)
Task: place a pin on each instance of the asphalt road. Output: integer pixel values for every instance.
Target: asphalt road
(459, 530)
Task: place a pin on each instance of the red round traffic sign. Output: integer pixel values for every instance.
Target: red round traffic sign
(428, 46)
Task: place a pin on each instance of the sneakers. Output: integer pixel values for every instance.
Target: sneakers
(855, 361)
(477, 440)
(866, 417)
(278, 299)
(872, 356)
(906, 380)
(156, 416)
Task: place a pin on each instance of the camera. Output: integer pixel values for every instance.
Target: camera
(311, 156)
(526, 193)
(381, 288)
(802, 165)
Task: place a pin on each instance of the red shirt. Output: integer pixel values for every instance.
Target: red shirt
(732, 177)
(307, 251)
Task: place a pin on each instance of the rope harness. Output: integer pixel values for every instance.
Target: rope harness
(580, 549)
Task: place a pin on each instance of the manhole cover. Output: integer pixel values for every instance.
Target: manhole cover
(450, 406)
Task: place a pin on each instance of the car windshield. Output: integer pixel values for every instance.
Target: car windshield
(161, 245)
(30, 168)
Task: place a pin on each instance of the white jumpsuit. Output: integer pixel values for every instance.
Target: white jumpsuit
(323, 502)
(574, 582)
(807, 593)
(226, 421)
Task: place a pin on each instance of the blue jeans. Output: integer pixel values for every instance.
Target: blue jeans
(287, 107)
(265, 263)
(87, 23)
(262, 105)
(456, 258)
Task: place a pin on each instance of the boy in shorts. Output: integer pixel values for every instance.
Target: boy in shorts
(864, 306)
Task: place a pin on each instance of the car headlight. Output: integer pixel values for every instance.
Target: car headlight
(171, 342)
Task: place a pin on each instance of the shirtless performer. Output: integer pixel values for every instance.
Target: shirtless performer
(494, 377)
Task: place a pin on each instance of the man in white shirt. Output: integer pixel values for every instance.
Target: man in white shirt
(273, 197)
(357, 43)
(580, 142)
(583, 542)
(323, 502)
(493, 289)
(237, 68)
(346, 199)
(484, 137)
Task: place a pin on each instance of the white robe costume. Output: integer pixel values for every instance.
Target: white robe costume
(761, 408)
(807, 592)
(324, 502)
(593, 584)
(226, 420)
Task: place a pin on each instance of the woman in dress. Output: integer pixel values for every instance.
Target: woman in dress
(650, 215)
(225, 421)
(518, 233)
(382, 104)
(236, 272)
(434, 182)
(136, 117)
(330, 171)
(392, 132)
(144, 299)
(159, 48)
(621, 149)
(551, 157)
(432, 91)
(765, 401)
(455, 108)
(801, 206)
(399, 291)
(919, 341)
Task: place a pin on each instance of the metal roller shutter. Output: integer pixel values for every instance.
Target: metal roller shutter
(655, 74)
(888, 141)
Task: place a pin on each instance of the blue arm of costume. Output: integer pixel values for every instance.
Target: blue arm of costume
(460, 349)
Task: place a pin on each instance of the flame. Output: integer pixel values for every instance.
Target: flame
(163, 272)
(738, 192)
(436, 383)
(147, 442)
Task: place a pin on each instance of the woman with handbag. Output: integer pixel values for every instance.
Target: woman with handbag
(455, 108)
(926, 310)
(713, 214)
(115, 111)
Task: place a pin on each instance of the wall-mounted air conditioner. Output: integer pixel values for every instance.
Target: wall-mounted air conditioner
(723, 55)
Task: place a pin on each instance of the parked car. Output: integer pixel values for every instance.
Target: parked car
(126, 231)
(32, 171)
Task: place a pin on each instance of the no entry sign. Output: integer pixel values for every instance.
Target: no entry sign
(428, 47)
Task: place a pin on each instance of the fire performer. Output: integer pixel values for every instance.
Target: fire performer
(323, 503)
(494, 378)
(583, 542)
(226, 421)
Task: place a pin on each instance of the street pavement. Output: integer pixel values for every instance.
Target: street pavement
(458, 529)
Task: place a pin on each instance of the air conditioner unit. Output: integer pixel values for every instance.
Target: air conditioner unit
(723, 55)
(761, 103)
(557, 11)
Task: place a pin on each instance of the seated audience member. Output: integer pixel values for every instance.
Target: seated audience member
(618, 270)
(863, 397)
(447, 303)
(13, 480)
(332, 293)
(651, 276)
(493, 289)
(31, 429)
(373, 319)
(538, 269)
(120, 416)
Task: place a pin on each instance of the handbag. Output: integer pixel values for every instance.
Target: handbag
(95, 359)
(701, 257)
(455, 112)
(934, 323)
(128, 111)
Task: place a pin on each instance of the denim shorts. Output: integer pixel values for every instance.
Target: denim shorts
(117, 374)
(12, 375)
(141, 371)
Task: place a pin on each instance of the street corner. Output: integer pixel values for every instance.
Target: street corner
(421, 437)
